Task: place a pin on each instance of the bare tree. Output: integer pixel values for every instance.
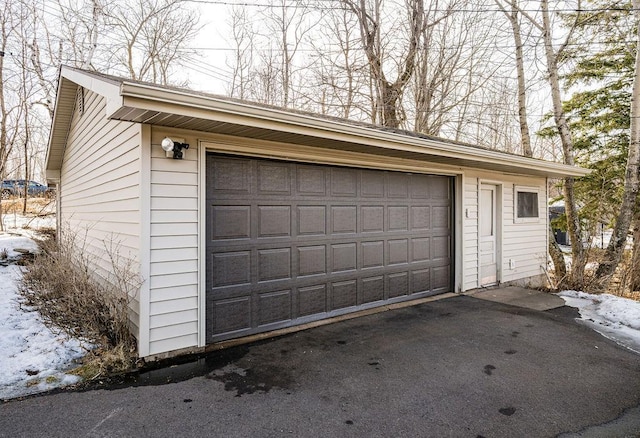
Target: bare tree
(243, 40)
(8, 109)
(288, 24)
(510, 10)
(453, 66)
(266, 87)
(553, 57)
(389, 92)
(148, 37)
(341, 73)
(634, 282)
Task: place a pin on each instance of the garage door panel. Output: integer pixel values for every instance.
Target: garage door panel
(372, 254)
(420, 218)
(398, 185)
(420, 248)
(274, 307)
(312, 300)
(398, 284)
(344, 294)
(274, 220)
(343, 257)
(273, 179)
(439, 188)
(291, 243)
(372, 184)
(312, 260)
(398, 218)
(420, 187)
(372, 289)
(440, 217)
(230, 315)
(372, 218)
(274, 264)
(230, 175)
(440, 248)
(398, 250)
(231, 221)
(311, 180)
(343, 182)
(344, 219)
(231, 268)
(441, 279)
(312, 220)
(420, 280)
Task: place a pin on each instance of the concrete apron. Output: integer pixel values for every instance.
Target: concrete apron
(519, 297)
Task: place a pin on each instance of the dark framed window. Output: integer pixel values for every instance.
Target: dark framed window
(526, 204)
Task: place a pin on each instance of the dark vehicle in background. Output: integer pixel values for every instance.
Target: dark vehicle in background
(16, 188)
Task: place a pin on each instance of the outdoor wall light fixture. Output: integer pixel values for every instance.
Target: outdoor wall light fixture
(173, 146)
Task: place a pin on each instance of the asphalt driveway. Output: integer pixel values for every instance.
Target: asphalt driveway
(457, 367)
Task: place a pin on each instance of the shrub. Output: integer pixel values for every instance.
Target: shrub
(60, 286)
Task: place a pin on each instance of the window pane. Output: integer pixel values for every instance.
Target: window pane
(486, 221)
(527, 204)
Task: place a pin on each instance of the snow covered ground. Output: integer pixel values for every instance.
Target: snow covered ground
(34, 357)
(614, 317)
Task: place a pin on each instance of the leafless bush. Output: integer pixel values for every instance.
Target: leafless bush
(60, 285)
(622, 282)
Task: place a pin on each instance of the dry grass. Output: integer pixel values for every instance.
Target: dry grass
(35, 206)
(60, 285)
(618, 285)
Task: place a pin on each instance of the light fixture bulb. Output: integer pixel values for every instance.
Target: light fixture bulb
(167, 144)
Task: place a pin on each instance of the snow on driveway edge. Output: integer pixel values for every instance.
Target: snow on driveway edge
(614, 317)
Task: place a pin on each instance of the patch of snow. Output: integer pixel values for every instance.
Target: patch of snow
(11, 242)
(602, 239)
(27, 225)
(614, 317)
(34, 357)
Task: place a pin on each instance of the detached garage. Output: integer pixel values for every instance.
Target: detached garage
(243, 219)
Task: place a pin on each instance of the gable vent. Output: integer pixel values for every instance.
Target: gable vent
(80, 100)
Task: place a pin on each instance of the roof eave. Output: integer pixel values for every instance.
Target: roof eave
(121, 94)
(68, 81)
(135, 94)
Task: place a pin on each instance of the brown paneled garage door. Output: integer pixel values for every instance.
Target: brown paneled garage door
(289, 243)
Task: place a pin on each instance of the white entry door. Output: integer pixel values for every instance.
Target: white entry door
(488, 234)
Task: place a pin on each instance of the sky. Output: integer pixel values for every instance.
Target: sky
(212, 74)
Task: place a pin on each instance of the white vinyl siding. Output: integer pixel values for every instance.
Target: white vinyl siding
(470, 232)
(100, 191)
(174, 247)
(522, 243)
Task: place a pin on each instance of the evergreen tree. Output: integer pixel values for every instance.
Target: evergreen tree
(601, 73)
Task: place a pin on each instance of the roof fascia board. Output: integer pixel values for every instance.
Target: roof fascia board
(135, 94)
(69, 79)
(105, 87)
(55, 123)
